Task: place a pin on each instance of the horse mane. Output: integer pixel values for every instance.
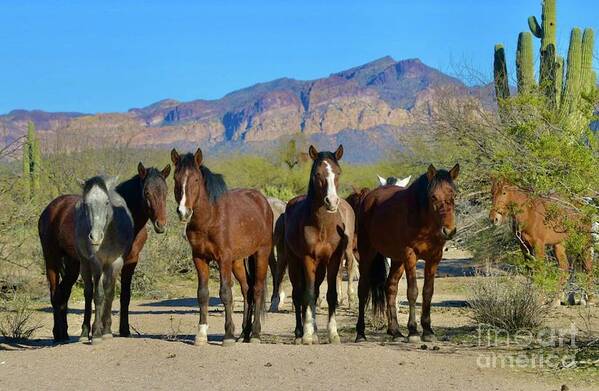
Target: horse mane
(321, 156)
(99, 181)
(424, 187)
(391, 180)
(131, 189)
(215, 184)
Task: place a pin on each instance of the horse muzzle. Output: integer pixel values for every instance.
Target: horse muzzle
(497, 219)
(184, 215)
(159, 228)
(331, 204)
(448, 233)
(96, 240)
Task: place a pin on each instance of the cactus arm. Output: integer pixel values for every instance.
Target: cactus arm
(588, 77)
(571, 91)
(534, 26)
(524, 63)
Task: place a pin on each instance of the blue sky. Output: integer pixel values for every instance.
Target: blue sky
(99, 56)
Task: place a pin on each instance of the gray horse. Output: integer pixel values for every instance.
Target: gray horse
(104, 234)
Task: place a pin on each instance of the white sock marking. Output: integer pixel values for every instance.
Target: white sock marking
(308, 325)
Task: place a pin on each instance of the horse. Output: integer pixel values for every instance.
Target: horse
(103, 238)
(405, 225)
(316, 239)
(350, 264)
(533, 227)
(145, 194)
(225, 226)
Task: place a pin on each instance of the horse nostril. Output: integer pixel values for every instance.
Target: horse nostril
(327, 201)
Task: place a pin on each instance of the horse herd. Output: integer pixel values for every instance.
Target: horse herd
(385, 231)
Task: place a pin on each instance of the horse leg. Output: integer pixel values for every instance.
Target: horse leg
(351, 265)
(97, 277)
(587, 266)
(296, 276)
(367, 255)
(226, 297)
(88, 292)
(238, 269)
(332, 272)
(110, 277)
(339, 281)
(125, 299)
(65, 287)
(309, 299)
(430, 269)
(203, 272)
(278, 294)
(412, 293)
(260, 271)
(564, 267)
(321, 271)
(391, 286)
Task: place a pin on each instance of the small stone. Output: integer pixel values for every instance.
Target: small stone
(423, 347)
(171, 355)
(436, 347)
(268, 365)
(564, 387)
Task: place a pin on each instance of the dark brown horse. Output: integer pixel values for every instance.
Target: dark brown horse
(405, 225)
(145, 195)
(226, 227)
(534, 226)
(316, 239)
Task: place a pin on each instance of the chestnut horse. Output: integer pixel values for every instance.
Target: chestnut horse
(316, 239)
(405, 225)
(226, 227)
(145, 195)
(533, 227)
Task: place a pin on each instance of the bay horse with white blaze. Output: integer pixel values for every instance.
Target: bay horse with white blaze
(145, 195)
(316, 239)
(404, 225)
(225, 226)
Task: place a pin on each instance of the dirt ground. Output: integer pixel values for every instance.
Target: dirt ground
(161, 355)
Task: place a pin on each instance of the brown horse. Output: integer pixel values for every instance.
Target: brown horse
(224, 226)
(145, 195)
(316, 239)
(405, 225)
(533, 226)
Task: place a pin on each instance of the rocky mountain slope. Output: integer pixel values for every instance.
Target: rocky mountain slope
(383, 95)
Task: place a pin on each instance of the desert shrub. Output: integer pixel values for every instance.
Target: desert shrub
(17, 320)
(508, 302)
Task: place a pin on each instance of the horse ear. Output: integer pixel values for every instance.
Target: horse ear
(454, 172)
(382, 180)
(355, 189)
(175, 156)
(166, 171)
(141, 171)
(112, 181)
(404, 182)
(339, 152)
(432, 171)
(198, 157)
(312, 152)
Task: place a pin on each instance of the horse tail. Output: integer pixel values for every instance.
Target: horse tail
(250, 270)
(378, 276)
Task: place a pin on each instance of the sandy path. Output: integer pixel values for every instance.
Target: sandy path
(151, 361)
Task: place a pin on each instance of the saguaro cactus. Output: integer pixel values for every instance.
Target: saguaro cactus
(571, 92)
(588, 76)
(524, 63)
(32, 159)
(502, 88)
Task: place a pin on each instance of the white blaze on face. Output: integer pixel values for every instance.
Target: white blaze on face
(182, 208)
(332, 196)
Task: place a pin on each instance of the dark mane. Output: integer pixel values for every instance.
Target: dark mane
(132, 189)
(423, 187)
(391, 180)
(321, 156)
(95, 181)
(215, 184)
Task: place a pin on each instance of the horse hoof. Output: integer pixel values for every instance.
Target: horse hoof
(429, 338)
(297, 341)
(107, 336)
(96, 341)
(200, 341)
(255, 340)
(228, 342)
(83, 338)
(360, 338)
(413, 339)
(334, 339)
(307, 340)
(398, 338)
